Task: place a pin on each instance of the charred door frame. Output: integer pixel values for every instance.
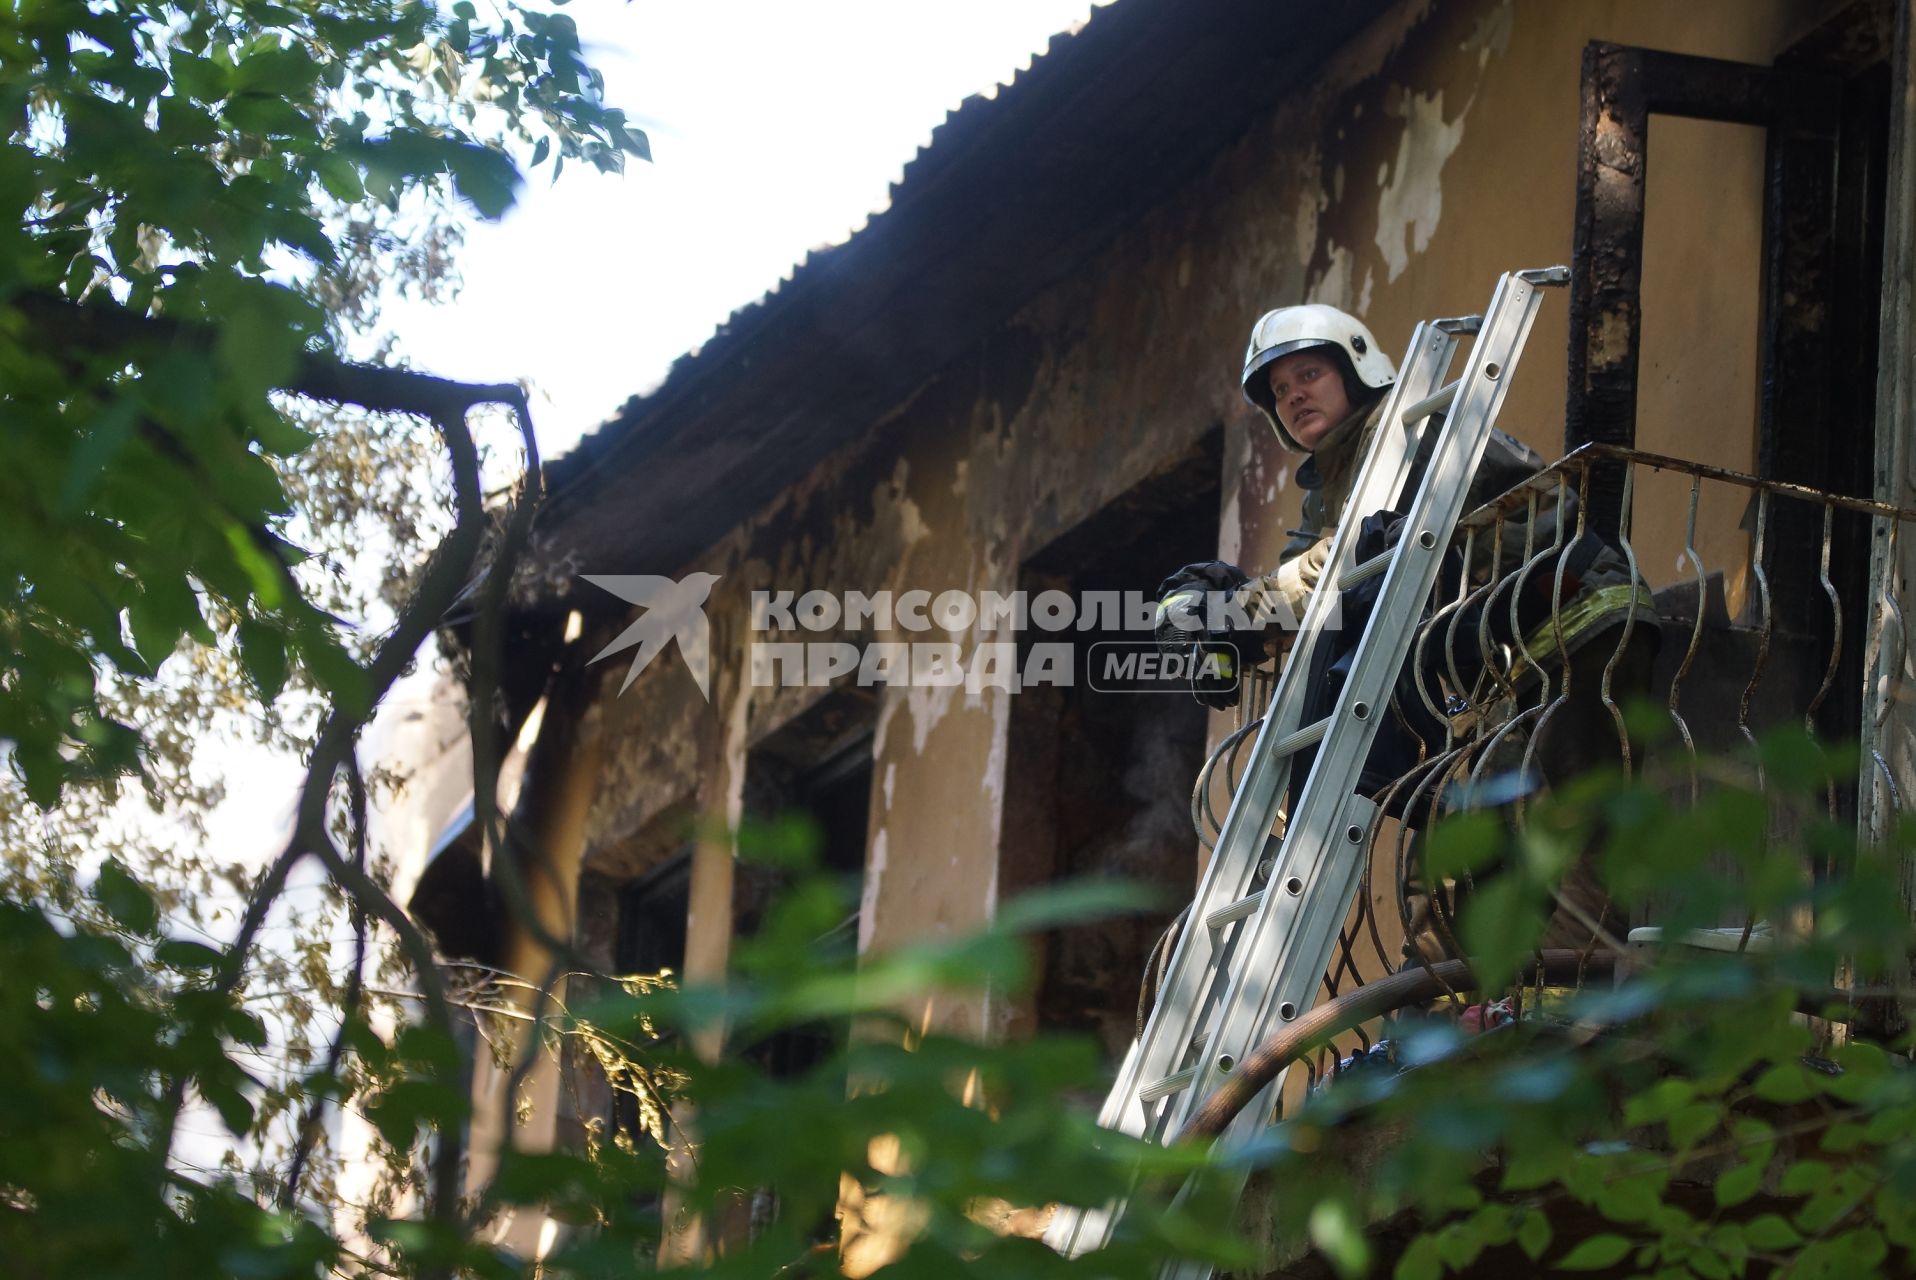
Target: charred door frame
(1802, 111)
(1824, 107)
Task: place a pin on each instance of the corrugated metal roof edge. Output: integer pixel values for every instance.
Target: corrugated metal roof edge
(1010, 195)
(926, 165)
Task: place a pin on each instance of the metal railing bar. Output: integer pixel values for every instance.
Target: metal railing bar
(1663, 462)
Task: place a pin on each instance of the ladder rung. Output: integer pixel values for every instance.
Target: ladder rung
(1177, 1079)
(1436, 402)
(1234, 912)
(1295, 741)
(1364, 572)
(1171, 1084)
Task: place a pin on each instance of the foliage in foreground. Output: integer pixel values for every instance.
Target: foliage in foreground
(206, 207)
(200, 204)
(1713, 1114)
(94, 1026)
(1688, 1122)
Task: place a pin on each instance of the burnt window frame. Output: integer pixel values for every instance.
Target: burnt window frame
(1824, 107)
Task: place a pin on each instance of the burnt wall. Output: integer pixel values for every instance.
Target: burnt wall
(1433, 152)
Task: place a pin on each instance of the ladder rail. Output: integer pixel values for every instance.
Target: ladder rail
(1252, 810)
(1175, 1018)
(1222, 993)
(1274, 970)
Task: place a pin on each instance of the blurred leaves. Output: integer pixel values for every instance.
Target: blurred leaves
(1693, 1112)
(253, 173)
(204, 199)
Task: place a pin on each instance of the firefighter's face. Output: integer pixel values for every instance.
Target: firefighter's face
(1309, 393)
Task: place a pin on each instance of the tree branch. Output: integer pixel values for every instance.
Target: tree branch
(349, 1003)
(99, 327)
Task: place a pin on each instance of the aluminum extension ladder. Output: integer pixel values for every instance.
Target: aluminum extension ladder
(1251, 957)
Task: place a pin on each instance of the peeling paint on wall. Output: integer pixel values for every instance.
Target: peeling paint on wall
(928, 705)
(1492, 34)
(1411, 202)
(1309, 204)
(1334, 286)
(993, 783)
(1230, 537)
(911, 521)
(868, 895)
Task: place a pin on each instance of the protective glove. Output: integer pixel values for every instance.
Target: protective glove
(1280, 598)
(1215, 655)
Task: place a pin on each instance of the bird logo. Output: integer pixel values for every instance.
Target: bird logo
(673, 611)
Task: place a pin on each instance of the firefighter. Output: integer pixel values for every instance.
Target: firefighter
(1318, 375)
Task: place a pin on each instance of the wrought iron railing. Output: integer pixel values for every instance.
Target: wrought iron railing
(1491, 677)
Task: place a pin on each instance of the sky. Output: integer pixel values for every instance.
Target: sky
(776, 127)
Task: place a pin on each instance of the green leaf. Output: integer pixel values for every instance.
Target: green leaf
(532, 1177)
(1463, 844)
(1805, 1177)
(1843, 1137)
(98, 450)
(1736, 1185)
(1595, 1253)
(186, 954)
(340, 177)
(1529, 1169)
(280, 436)
(1075, 902)
(333, 669)
(1501, 926)
(1628, 1200)
(1708, 1265)
(1694, 1122)
(1533, 1234)
(402, 1109)
(262, 574)
(263, 654)
(125, 899)
(1770, 1231)
(1783, 1082)
(428, 1047)
(488, 179)
(1658, 1103)
(1339, 1233)
(236, 1113)
(1728, 1240)
(1419, 1261)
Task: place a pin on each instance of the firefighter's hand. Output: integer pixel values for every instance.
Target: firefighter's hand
(1278, 600)
(1217, 673)
(1212, 575)
(1188, 625)
(1188, 600)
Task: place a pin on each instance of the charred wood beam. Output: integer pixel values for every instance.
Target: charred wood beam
(1622, 88)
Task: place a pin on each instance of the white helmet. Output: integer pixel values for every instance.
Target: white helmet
(1298, 328)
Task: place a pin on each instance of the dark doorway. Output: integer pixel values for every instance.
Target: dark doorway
(1098, 784)
(816, 770)
(652, 914)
